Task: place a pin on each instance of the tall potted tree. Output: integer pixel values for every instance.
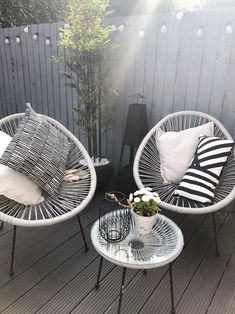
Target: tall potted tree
(87, 65)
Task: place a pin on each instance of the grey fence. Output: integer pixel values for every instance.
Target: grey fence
(186, 64)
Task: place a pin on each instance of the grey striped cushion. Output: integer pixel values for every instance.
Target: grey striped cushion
(202, 177)
(39, 151)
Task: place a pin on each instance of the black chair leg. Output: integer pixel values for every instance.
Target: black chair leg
(172, 290)
(121, 290)
(1, 225)
(215, 235)
(13, 252)
(99, 273)
(83, 236)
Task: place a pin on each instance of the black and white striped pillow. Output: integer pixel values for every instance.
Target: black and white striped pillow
(202, 177)
(39, 151)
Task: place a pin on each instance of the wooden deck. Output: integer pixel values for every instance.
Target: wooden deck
(54, 275)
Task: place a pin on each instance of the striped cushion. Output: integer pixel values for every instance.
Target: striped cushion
(39, 151)
(202, 177)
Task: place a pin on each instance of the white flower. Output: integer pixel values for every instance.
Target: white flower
(144, 190)
(156, 199)
(145, 198)
(138, 192)
(155, 194)
(136, 199)
(131, 197)
(148, 189)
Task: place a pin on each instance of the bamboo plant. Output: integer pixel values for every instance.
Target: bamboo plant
(87, 66)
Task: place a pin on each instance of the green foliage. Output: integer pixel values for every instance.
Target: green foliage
(87, 68)
(146, 208)
(86, 31)
(23, 12)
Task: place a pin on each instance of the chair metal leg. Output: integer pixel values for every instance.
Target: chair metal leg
(98, 277)
(215, 235)
(122, 289)
(13, 251)
(83, 236)
(1, 225)
(171, 288)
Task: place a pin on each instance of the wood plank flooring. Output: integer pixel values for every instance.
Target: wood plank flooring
(53, 274)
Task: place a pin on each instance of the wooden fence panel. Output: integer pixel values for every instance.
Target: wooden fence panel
(175, 70)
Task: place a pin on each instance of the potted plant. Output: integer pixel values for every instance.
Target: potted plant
(88, 62)
(145, 204)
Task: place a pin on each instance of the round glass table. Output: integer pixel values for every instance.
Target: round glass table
(158, 248)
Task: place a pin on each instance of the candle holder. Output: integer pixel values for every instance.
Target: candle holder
(114, 224)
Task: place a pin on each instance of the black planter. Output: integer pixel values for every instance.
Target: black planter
(104, 176)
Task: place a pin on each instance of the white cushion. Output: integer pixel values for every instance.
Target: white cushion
(13, 184)
(177, 149)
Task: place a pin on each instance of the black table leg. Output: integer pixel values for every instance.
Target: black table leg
(1, 225)
(121, 290)
(171, 288)
(13, 251)
(215, 236)
(98, 277)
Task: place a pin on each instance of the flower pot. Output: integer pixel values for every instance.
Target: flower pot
(144, 224)
(104, 172)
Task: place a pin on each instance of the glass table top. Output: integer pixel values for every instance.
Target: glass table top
(156, 249)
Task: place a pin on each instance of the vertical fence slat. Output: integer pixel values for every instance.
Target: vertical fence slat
(160, 70)
(69, 102)
(173, 30)
(118, 76)
(48, 68)
(196, 58)
(209, 59)
(8, 69)
(25, 65)
(43, 69)
(3, 83)
(37, 69)
(63, 91)
(19, 78)
(32, 77)
(140, 50)
(152, 34)
(183, 62)
(55, 71)
(14, 70)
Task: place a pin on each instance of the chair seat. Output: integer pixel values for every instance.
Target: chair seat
(147, 166)
(73, 196)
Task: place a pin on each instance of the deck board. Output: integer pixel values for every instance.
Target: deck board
(54, 275)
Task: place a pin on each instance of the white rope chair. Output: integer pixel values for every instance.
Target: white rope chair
(147, 172)
(73, 197)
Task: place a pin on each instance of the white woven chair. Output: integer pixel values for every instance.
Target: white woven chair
(146, 167)
(73, 197)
